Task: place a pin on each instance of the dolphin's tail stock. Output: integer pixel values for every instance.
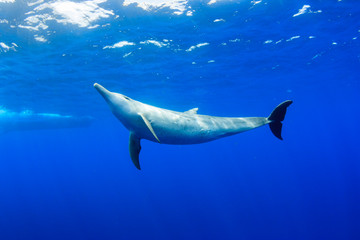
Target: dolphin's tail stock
(276, 118)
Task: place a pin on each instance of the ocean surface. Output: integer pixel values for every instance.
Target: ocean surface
(65, 170)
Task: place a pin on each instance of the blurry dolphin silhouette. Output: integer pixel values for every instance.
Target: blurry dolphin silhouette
(165, 126)
(29, 120)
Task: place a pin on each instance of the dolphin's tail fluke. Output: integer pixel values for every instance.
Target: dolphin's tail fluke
(277, 116)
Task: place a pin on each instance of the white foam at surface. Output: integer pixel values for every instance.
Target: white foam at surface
(36, 22)
(305, 9)
(94, 26)
(40, 38)
(5, 48)
(316, 56)
(179, 6)
(216, 1)
(127, 54)
(28, 27)
(7, 1)
(36, 28)
(82, 14)
(156, 43)
(234, 40)
(219, 20)
(196, 46)
(292, 38)
(254, 2)
(34, 3)
(120, 45)
(268, 41)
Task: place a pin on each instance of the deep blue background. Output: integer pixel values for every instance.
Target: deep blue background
(80, 183)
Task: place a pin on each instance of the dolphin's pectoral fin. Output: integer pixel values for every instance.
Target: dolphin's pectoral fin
(192, 111)
(134, 148)
(148, 124)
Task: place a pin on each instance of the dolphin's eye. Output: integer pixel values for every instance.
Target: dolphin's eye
(126, 98)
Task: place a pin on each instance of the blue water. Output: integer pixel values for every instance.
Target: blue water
(228, 58)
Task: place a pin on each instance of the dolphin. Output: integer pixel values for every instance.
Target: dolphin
(29, 120)
(170, 127)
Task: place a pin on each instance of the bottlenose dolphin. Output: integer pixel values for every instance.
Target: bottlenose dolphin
(170, 127)
(29, 120)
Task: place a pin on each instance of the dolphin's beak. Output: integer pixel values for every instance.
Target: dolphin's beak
(104, 92)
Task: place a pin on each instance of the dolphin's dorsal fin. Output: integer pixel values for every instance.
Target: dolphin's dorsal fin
(148, 124)
(192, 111)
(134, 148)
